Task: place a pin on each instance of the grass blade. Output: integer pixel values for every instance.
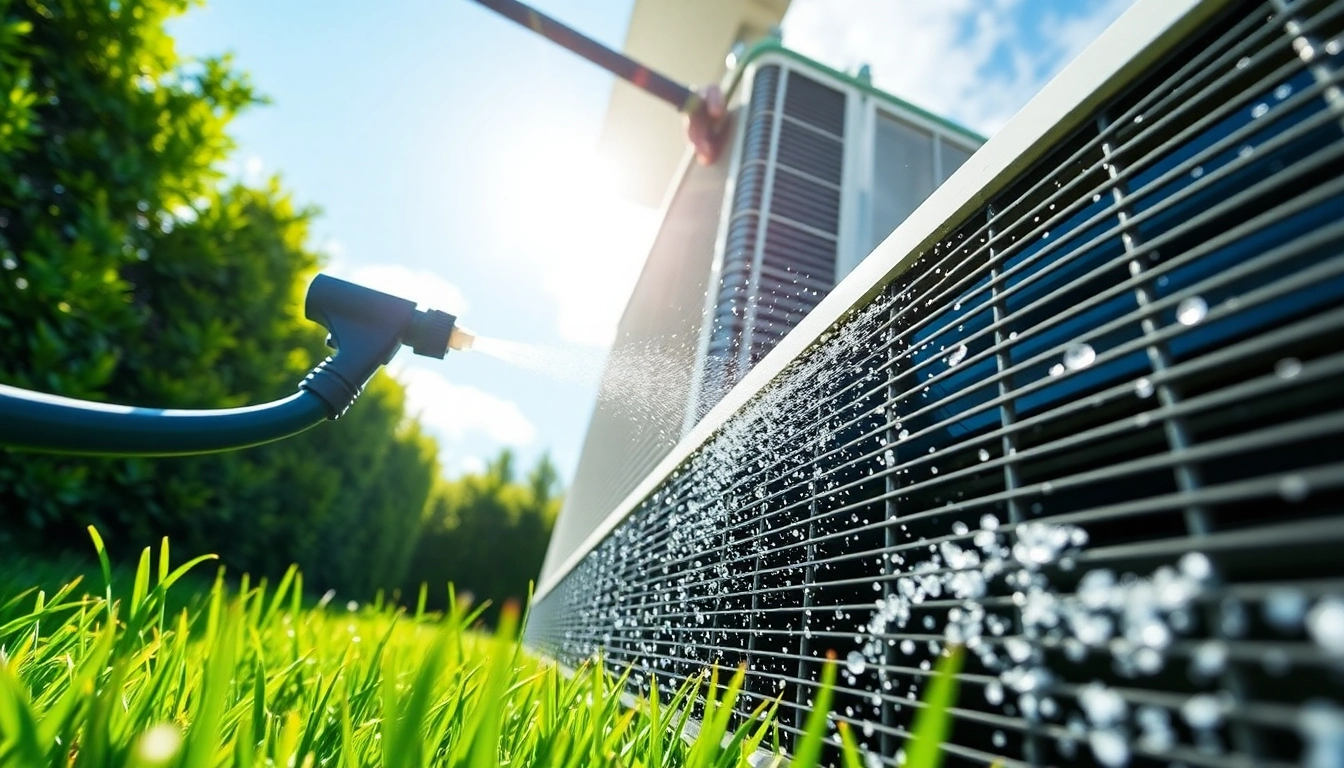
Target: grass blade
(933, 722)
(808, 752)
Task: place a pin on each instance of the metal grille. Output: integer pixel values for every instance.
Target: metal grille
(1094, 436)
(780, 249)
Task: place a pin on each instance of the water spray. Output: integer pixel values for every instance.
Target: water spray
(365, 329)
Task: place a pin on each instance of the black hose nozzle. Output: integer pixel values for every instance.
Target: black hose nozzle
(366, 328)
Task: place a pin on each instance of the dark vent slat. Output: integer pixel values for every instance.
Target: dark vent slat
(815, 104)
(813, 153)
(808, 195)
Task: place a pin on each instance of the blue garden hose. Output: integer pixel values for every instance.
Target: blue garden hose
(366, 329)
(51, 424)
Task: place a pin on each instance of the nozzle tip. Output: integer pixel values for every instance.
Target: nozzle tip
(461, 339)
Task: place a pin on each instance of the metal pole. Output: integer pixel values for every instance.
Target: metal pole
(620, 65)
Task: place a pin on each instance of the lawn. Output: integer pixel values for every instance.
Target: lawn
(155, 667)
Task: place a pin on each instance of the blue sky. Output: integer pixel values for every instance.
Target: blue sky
(453, 155)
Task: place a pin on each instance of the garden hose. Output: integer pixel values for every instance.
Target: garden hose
(366, 328)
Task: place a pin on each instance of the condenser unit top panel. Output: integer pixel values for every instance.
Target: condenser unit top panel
(776, 47)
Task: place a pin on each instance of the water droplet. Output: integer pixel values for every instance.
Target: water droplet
(1056, 369)
(1102, 706)
(1143, 387)
(1196, 565)
(1325, 624)
(1155, 724)
(1191, 310)
(1197, 171)
(1109, 747)
(855, 662)
(904, 433)
(957, 354)
(1288, 368)
(1320, 722)
(1210, 659)
(1294, 488)
(999, 739)
(1232, 619)
(1259, 111)
(984, 455)
(1019, 650)
(1284, 609)
(994, 692)
(1079, 356)
(1202, 712)
(159, 744)
(1283, 91)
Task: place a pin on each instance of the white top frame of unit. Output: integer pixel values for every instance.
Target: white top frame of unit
(1143, 34)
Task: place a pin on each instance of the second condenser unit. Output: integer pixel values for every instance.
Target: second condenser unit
(821, 168)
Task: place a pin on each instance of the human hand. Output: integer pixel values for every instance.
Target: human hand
(704, 124)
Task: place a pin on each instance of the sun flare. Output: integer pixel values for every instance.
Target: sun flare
(575, 233)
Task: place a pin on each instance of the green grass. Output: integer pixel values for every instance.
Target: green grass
(249, 676)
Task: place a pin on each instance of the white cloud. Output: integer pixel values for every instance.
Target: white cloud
(969, 60)
(334, 249)
(425, 288)
(455, 412)
(467, 465)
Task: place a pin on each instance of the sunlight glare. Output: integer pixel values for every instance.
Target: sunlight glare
(573, 232)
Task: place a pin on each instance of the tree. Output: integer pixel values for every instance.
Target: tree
(129, 272)
(487, 533)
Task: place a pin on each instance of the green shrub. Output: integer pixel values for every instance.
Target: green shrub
(487, 533)
(129, 273)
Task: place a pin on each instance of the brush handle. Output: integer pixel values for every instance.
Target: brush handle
(620, 65)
